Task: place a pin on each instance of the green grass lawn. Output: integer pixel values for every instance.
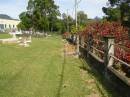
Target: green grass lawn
(4, 36)
(40, 71)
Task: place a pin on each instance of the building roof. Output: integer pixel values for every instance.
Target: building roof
(4, 16)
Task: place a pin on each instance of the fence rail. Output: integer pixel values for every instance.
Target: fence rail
(99, 40)
(120, 60)
(107, 50)
(100, 51)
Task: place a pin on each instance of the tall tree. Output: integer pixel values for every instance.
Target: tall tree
(124, 8)
(82, 18)
(26, 22)
(41, 13)
(68, 21)
(112, 14)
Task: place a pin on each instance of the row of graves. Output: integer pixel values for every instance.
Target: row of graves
(21, 38)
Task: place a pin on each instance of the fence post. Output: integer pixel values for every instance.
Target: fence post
(109, 50)
(78, 46)
(82, 41)
(89, 43)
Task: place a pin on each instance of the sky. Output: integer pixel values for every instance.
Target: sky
(92, 8)
(13, 7)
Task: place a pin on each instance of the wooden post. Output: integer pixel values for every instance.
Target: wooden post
(82, 41)
(77, 46)
(109, 50)
(89, 43)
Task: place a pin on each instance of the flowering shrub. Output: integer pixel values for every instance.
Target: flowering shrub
(66, 35)
(102, 29)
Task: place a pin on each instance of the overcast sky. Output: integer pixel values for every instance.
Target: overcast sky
(92, 7)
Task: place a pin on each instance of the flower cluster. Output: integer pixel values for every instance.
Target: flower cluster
(102, 29)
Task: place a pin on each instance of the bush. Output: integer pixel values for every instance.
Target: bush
(115, 29)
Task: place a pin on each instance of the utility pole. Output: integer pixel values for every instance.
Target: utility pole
(67, 21)
(76, 6)
(76, 24)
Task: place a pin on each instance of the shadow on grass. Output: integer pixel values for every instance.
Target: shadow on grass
(61, 79)
(100, 80)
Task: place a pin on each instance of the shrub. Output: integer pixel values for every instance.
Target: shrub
(115, 29)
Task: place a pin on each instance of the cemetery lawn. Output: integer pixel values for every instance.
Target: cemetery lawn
(4, 36)
(39, 71)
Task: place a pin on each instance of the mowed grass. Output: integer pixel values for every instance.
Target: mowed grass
(40, 71)
(5, 35)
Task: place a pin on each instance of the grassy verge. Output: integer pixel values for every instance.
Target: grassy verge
(41, 71)
(4, 36)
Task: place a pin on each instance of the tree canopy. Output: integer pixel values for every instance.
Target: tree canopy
(68, 22)
(26, 22)
(44, 16)
(82, 18)
(41, 13)
(112, 14)
(119, 9)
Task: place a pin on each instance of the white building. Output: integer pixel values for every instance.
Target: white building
(8, 23)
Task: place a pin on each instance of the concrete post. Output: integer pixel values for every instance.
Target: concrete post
(109, 50)
(14, 35)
